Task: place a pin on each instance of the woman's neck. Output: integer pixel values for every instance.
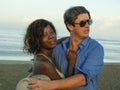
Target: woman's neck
(47, 52)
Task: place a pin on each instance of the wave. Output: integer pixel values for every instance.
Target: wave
(11, 43)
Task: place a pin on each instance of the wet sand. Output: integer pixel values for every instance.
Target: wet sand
(11, 73)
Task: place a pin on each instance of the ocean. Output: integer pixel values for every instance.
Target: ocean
(11, 44)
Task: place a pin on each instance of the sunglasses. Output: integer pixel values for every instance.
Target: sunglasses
(83, 23)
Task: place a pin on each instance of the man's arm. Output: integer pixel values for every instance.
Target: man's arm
(61, 39)
(70, 82)
(67, 83)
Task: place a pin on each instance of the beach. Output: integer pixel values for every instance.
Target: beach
(110, 77)
(12, 72)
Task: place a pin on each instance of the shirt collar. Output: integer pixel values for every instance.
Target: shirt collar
(85, 41)
(65, 43)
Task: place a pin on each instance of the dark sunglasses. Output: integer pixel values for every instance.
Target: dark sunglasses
(82, 23)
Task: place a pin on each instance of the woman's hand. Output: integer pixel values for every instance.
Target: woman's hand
(71, 56)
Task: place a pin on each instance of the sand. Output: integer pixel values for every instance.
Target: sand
(110, 77)
(11, 73)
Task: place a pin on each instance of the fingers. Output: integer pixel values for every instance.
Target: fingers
(33, 84)
(38, 85)
(71, 55)
(69, 52)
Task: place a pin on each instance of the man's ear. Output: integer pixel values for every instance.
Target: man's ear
(70, 27)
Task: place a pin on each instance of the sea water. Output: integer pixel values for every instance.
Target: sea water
(11, 44)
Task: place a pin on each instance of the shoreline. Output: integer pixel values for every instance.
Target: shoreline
(14, 62)
(29, 62)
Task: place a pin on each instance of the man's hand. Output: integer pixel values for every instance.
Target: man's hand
(39, 85)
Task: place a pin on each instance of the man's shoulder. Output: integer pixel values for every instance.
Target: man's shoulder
(62, 46)
(60, 40)
(95, 43)
(63, 41)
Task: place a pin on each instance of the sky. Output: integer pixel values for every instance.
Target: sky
(18, 14)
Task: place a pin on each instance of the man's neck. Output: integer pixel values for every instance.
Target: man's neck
(74, 43)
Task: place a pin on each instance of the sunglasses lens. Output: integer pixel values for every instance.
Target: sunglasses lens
(90, 21)
(82, 23)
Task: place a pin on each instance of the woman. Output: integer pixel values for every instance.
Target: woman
(39, 40)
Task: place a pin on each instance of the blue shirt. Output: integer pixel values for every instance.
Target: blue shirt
(89, 61)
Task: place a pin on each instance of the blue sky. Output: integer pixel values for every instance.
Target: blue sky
(17, 14)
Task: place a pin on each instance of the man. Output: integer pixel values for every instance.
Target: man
(79, 57)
